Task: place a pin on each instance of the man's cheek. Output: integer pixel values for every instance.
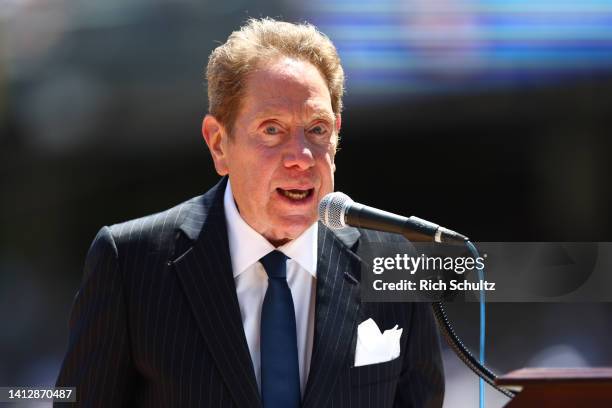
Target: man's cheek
(331, 163)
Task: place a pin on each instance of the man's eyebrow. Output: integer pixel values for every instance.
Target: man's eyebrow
(316, 114)
(272, 111)
(321, 114)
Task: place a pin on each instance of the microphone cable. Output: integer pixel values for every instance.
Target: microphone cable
(481, 303)
(455, 343)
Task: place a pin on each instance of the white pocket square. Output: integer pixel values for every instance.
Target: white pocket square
(374, 347)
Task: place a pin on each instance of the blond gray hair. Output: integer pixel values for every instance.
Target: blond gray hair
(259, 40)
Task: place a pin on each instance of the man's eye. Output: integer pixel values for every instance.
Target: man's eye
(318, 130)
(271, 130)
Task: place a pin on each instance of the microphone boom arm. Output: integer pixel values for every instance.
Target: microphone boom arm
(413, 228)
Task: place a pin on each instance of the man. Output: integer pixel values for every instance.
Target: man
(239, 298)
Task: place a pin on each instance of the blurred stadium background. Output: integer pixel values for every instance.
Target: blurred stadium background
(490, 117)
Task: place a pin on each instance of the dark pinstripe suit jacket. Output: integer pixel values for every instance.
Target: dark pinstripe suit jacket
(156, 322)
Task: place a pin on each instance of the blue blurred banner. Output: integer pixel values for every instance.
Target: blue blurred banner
(399, 47)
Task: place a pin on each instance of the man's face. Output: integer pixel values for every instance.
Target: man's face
(280, 158)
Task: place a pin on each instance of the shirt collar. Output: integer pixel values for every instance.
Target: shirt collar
(247, 246)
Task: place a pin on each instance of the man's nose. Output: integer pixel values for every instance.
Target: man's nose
(297, 152)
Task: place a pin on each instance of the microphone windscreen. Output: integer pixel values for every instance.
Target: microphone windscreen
(332, 209)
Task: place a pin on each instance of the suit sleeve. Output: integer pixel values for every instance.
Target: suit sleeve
(98, 361)
(421, 383)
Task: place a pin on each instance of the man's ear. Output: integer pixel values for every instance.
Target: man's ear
(338, 122)
(216, 139)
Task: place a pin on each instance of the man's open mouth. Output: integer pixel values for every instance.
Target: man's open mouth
(295, 194)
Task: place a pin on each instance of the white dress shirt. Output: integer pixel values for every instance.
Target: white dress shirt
(247, 247)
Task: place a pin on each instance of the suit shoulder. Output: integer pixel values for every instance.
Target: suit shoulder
(381, 237)
(154, 230)
(396, 241)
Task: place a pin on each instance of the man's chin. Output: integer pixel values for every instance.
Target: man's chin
(292, 227)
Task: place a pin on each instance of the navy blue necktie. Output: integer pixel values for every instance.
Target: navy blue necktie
(280, 375)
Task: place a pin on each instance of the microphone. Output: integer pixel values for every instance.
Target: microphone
(337, 210)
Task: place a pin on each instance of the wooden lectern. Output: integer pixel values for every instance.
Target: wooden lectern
(559, 387)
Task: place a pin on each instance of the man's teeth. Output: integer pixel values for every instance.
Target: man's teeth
(295, 194)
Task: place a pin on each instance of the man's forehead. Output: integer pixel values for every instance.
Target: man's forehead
(287, 87)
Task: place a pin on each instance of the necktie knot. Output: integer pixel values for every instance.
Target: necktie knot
(275, 264)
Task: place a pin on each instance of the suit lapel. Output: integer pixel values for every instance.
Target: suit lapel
(336, 311)
(204, 268)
